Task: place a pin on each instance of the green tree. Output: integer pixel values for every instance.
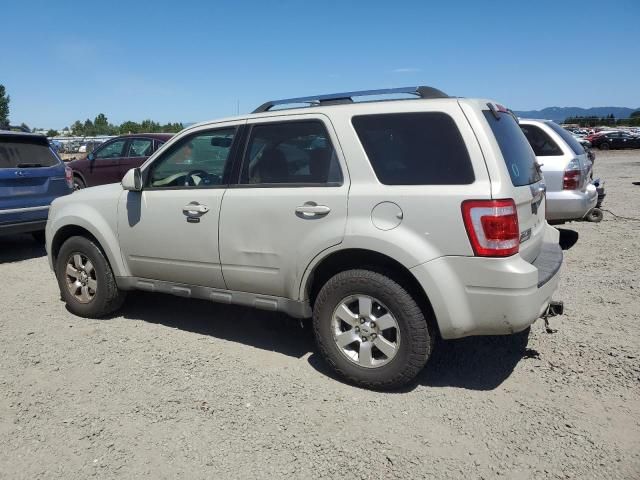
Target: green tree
(77, 128)
(4, 107)
(171, 127)
(129, 127)
(635, 114)
(101, 125)
(52, 133)
(149, 126)
(89, 128)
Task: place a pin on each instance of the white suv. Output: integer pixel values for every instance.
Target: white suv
(389, 222)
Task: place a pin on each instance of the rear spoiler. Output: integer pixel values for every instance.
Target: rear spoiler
(496, 109)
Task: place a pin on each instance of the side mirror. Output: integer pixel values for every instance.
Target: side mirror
(91, 157)
(132, 180)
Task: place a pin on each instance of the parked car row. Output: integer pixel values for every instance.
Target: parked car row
(614, 140)
(387, 222)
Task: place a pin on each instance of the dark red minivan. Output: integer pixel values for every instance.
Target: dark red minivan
(110, 161)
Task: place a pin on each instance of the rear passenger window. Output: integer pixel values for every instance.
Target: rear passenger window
(290, 153)
(415, 148)
(542, 144)
(140, 147)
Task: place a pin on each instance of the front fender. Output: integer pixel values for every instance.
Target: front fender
(102, 225)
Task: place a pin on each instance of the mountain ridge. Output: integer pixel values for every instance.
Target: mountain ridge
(559, 114)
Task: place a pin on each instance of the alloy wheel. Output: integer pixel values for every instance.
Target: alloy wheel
(80, 276)
(365, 331)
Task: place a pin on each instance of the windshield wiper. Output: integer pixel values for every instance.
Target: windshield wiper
(29, 165)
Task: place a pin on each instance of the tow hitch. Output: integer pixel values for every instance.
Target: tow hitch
(555, 308)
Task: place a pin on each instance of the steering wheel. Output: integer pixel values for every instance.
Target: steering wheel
(204, 177)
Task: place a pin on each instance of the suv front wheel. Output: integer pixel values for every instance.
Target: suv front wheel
(370, 330)
(86, 281)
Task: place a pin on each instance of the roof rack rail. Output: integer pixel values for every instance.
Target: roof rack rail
(347, 97)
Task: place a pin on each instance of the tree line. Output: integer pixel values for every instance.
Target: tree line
(101, 126)
(609, 120)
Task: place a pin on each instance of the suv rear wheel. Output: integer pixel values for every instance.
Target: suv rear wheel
(370, 330)
(86, 281)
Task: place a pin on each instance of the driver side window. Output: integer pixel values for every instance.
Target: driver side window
(196, 161)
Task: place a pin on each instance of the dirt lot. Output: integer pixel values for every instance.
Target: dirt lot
(187, 389)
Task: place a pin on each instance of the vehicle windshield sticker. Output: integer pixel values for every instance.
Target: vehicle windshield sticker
(514, 169)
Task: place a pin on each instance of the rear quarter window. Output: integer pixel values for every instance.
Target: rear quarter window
(423, 148)
(567, 137)
(25, 153)
(515, 148)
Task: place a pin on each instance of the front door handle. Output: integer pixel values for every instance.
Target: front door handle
(195, 209)
(312, 209)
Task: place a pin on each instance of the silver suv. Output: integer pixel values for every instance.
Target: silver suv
(566, 168)
(388, 222)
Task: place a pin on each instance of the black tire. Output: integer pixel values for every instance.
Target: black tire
(39, 237)
(595, 215)
(107, 298)
(604, 146)
(78, 184)
(417, 339)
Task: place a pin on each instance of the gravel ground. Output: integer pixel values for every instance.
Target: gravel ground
(187, 389)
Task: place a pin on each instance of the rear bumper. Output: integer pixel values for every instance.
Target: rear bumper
(22, 227)
(16, 216)
(491, 296)
(571, 204)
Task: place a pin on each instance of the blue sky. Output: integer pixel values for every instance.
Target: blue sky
(195, 60)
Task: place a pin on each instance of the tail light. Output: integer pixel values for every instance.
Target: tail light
(492, 227)
(68, 176)
(572, 176)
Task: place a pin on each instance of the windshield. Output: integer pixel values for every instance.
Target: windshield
(567, 137)
(24, 153)
(515, 148)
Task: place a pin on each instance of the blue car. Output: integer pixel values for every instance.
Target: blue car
(31, 177)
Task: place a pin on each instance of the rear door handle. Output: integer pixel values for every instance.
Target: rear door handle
(195, 209)
(312, 209)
